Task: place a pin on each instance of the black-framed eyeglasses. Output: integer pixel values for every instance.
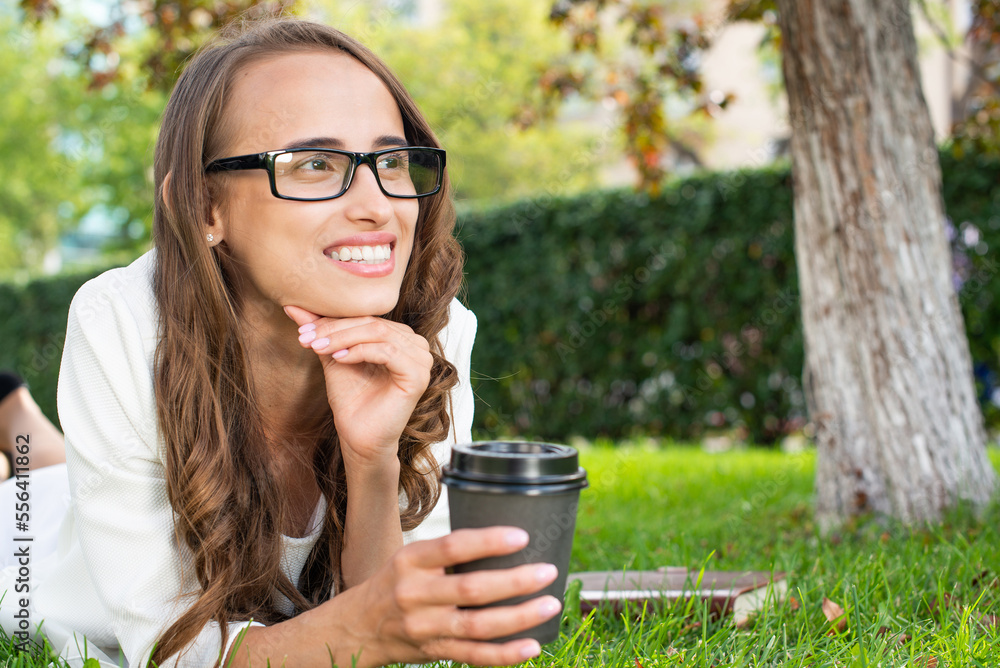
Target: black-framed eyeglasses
(315, 174)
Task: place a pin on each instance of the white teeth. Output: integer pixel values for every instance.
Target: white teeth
(363, 254)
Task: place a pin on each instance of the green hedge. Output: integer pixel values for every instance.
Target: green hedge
(614, 313)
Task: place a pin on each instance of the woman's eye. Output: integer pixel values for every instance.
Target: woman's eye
(317, 163)
(391, 162)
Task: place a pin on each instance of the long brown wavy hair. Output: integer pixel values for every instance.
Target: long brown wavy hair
(220, 477)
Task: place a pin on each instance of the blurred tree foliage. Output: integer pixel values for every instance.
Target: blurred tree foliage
(643, 56)
(660, 67)
(174, 31)
(469, 72)
(41, 186)
(978, 127)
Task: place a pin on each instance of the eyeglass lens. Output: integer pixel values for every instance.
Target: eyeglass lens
(316, 173)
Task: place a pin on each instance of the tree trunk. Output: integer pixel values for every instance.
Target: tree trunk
(888, 375)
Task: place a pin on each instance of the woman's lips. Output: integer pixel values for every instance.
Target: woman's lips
(368, 266)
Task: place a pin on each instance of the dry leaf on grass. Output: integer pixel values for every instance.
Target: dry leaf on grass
(834, 614)
(983, 579)
(925, 662)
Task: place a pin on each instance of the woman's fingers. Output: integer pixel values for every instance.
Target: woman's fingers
(490, 586)
(361, 328)
(333, 336)
(299, 315)
(462, 546)
(485, 654)
(376, 352)
(483, 623)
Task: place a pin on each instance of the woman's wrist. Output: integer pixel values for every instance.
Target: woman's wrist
(382, 468)
(342, 632)
(372, 531)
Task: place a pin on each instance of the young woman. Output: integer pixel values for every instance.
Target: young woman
(256, 409)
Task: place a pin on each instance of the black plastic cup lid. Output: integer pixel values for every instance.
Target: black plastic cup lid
(515, 463)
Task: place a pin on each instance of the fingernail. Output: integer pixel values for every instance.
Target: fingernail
(320, 343)
(340, 354)
(307, 337)
(546, 573)
(531, 650)
(308, 327)
(516, 538)
(548, 607)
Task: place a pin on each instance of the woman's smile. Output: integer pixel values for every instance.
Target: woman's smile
(368, 254)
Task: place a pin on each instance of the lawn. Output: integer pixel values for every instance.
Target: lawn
(913, 596)
(921, 597)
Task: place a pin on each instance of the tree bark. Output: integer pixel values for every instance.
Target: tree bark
(888, 374)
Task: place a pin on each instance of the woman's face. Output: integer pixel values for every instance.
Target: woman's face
(287, 252)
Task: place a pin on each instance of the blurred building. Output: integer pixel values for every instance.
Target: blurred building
(753, 130)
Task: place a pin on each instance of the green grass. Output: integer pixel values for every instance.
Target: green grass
(912, 595)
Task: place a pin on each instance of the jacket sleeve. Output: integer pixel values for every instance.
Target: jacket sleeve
(458, 339)
(117, 478)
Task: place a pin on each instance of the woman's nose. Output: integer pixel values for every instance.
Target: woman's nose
(366, 201)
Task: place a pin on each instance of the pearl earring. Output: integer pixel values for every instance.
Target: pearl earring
(210, 237)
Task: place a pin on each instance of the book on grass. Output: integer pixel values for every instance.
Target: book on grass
(737, 593)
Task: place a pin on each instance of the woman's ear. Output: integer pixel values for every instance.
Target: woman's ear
(165, 192)
(213, 233)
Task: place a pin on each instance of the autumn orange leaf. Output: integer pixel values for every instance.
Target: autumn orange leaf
(833, 613)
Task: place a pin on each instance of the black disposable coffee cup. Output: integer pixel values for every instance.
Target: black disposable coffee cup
(534, 486)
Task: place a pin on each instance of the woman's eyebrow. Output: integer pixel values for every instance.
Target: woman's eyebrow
(315, 142)
(389, 140)
(332, 142)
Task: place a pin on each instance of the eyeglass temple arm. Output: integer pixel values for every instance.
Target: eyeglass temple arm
(252, 161)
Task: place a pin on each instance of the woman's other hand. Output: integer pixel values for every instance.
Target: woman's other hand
(414, 609)
(376, 371)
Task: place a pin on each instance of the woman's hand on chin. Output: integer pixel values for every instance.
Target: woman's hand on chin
(376, 371)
